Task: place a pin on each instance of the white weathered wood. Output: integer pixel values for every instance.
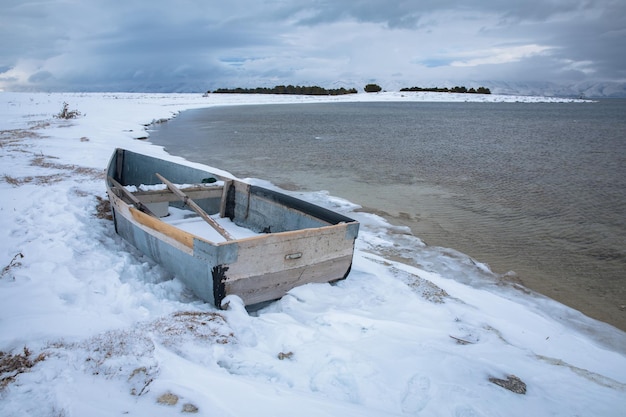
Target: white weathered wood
(195, 193)
(195, 208)
(224, 200)
(160, 226)
(275, 284)
(131, 197)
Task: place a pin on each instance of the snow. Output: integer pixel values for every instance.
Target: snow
(189, 221)
(109, 332)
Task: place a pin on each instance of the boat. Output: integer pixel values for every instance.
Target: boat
(222, 236)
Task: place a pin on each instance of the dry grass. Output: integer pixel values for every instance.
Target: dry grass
(15, 135)
(11, 180)
(13, 365)
(103, 209)
(194, 324)
(44, 162)
(66, 113)
(168, 399)
(37, 180)
(13, 264)
(512, 383)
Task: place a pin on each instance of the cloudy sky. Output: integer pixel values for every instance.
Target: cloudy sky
(197, 45)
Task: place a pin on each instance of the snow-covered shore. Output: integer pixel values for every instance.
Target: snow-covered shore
(89, 327)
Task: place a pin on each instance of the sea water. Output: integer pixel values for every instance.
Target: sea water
(535, 190)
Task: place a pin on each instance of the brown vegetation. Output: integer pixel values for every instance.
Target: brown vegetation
(11, 365)
(66, 113)
(103, 209)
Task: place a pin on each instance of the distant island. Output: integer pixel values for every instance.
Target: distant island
(320, 91)
(479, 90)
(289, 89)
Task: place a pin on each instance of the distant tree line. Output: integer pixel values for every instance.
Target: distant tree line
(479, 90)
(372, 88)
(289, 89)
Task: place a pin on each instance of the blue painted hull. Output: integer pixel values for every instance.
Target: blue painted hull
(295, 243)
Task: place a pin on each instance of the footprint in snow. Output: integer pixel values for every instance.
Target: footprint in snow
(416, 396)
(466, 411)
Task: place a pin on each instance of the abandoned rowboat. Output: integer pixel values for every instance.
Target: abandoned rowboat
(256, 243)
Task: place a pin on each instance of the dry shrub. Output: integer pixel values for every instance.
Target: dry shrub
(66, 113)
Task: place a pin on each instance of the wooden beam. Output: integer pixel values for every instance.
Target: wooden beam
(188, 201)
(224, 200)
(165, 228)
(138, 204)
(197, 193)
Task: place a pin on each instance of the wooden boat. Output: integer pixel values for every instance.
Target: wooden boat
(256, 243)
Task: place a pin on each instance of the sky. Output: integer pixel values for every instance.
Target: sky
(201, 45)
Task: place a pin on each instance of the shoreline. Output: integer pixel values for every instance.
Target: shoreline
(436, 234)
(528, 276)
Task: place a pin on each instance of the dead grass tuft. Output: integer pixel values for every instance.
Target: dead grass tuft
(512, 383)
(13, 365)
(14, 135)
(195, 324)
(103, 209)
(168, 399)
(66, 113)
(190, 408)
(13, 264)
(42, 161)
(11, 180)
(37, 180)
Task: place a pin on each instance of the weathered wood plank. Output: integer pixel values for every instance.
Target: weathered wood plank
(272, 286)
(195, 193)
(167, 229)
(196, 208)
(224, 200)
(290, 250)
(131, 197)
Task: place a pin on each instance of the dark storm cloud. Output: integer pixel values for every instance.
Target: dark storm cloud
(193, 45)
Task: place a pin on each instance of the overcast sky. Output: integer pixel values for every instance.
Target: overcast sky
(197, 45)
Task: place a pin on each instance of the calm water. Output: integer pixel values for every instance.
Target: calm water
(534, 188)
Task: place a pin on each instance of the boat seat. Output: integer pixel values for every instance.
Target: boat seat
(195, 192)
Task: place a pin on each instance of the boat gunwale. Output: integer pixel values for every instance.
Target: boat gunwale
(113, 194)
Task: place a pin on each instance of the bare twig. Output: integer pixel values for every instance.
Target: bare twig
(14, 263)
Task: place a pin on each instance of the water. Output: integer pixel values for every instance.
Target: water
(534, 188)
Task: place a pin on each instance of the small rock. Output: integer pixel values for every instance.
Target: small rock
(512, 383)
(168, 399)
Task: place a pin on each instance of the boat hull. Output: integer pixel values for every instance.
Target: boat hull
(302, 243)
